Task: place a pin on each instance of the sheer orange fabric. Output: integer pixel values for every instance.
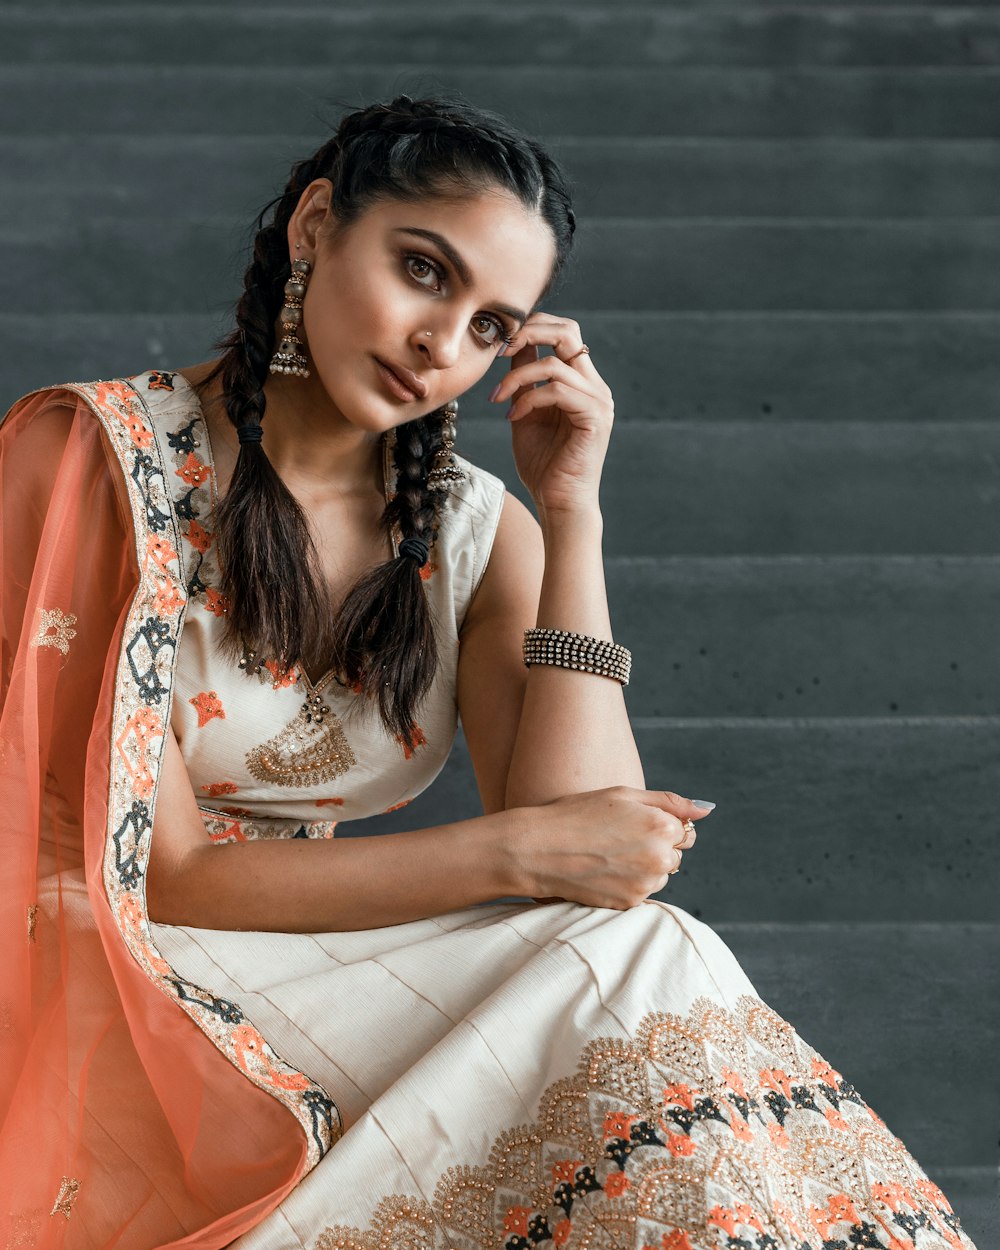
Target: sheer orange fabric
(123, 1123)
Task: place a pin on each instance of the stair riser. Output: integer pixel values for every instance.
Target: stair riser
(104, 264)
(773, 488)
(808, 636)
(464, 35)
(661, 367)
(157, 177)
(843, 821)
(686, 102)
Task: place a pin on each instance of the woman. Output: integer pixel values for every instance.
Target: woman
(249, 598)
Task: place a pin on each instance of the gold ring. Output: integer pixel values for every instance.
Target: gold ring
(583, 349)
(688, 826)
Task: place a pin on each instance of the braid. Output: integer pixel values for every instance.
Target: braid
(368, 619)
(380, 640)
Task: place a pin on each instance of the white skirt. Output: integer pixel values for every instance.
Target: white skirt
(518, 1076)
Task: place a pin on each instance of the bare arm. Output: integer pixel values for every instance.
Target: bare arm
(313, 886)
(536, 734)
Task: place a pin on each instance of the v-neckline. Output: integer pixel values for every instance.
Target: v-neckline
(198, 408)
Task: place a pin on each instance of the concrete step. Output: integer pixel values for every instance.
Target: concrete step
(155, 178)
(752, 487)
(464, 34)
(825, 819)
(67, 98)
(661, 366)
(103, 264)
(808, 635)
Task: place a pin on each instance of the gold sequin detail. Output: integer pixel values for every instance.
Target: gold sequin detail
(696, 1130)
(32, 920)
(55, 630)
(310, 750)
(68, 1191)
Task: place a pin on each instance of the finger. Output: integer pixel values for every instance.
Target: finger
(690, 836)
(563, 335)
(568, 399)
(542, 369)
(675, 804)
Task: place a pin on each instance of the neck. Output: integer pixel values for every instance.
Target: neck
(312, 447)
(310, 442)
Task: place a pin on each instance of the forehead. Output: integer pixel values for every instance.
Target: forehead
(508, 250)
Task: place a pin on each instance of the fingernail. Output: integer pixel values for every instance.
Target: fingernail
(510, 412)
(495, 391)
(703, 803)
(507, 349)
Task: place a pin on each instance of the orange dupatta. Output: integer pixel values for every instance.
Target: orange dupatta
(131, 1115)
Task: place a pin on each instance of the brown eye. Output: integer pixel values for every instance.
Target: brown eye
(428, 265)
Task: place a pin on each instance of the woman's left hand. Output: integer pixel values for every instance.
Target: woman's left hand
(561, 430)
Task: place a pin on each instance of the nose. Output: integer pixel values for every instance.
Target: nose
(441, 344)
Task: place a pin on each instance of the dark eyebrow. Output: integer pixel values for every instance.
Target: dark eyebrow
(461, 268)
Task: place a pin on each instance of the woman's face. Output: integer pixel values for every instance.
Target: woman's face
(377, 289)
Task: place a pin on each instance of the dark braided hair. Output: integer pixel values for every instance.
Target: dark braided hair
(380, 641)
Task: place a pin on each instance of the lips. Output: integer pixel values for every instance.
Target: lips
(405, 377)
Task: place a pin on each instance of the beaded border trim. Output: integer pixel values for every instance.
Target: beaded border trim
(579, 651)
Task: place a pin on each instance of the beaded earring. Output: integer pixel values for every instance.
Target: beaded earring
(290, 356)
(445, 468)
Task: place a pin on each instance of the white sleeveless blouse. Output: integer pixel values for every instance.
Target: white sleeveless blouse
(263, 745)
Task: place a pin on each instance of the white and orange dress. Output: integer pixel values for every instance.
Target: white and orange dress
(509, 1075)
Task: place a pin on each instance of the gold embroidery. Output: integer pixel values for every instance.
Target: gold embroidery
(310, 750)
(68, 1191)
(32, 919)
(718, 1128)
(53, 619)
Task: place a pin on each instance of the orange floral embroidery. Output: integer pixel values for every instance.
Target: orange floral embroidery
(233, 830)
(562, 1232)
(329, 803)
(683, 1095)
(160, 551)
(565, 1170)
(123, 407)
(616, 1184)
(281, 677)
(208, 705)
(419, 740)
(834, 1118)
(168, 599)
(236, 811)
(133, 746)
(396, 806)
(618, 1124)
(194, 471)
(199, 537)
(216, 602)
(255, 1056)
(679, 1145)
(426, 571)
(160, 381)
(779, 1137)
(677, 1240)
(516, 1220)
(220, 787)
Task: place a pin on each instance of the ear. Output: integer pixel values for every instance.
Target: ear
(309, 214)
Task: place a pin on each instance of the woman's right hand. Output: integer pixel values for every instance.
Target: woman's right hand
(605, 848)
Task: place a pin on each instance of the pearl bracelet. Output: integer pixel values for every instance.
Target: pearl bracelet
(580, 651)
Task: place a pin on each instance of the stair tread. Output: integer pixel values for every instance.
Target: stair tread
(913, 101)
(763, 35)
